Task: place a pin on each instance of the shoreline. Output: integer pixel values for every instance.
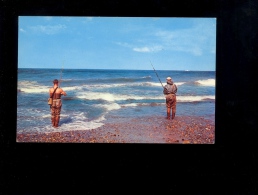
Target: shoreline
(147, 129)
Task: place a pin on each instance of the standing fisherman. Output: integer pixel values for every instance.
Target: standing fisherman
(169, 91)
(57, 103)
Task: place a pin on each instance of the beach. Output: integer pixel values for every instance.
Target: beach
(148, 129)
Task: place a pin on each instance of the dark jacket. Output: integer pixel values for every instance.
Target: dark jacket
(169, 88)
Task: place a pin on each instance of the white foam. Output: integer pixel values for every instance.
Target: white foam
(32, 87)
(78, 123)
(104, 85)
(207, 82)
(194, 98)
(130, 105)
(127, 85)
(113, 97)
(180, 83)
(153, 84)
(179, 99)
(73, 88)
(141, 104)
(146, 77)
(35, 87)
(109, 107)
(46, 116)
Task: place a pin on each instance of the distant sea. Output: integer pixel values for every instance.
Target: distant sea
(94, 94)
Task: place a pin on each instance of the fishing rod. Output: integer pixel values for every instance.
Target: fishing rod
(157, 75)
(61, 75)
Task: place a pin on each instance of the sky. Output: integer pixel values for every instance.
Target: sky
(117, 43)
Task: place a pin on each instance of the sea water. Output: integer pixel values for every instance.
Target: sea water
(92, 95)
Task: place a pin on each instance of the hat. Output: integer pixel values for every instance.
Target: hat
(168, 78)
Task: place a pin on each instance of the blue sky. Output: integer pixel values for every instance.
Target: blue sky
(117, 43)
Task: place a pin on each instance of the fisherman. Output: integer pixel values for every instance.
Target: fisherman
(57, 103)
(169, 91)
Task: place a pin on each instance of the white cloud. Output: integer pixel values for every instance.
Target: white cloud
(196, 40)
(48, 29)
(144, 49)
(124, 44)
(147, 49)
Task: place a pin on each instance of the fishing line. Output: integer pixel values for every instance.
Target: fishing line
(157, 75)
(61, 75)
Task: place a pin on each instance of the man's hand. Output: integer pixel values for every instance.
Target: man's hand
(63, 93)
(165, 91)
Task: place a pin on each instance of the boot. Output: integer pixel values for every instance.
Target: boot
(173, 115)
(57, 121)
(53, 121)
(168, 113)
(168, 116)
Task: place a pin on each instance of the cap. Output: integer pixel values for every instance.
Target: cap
(168, 78)
(55, 81)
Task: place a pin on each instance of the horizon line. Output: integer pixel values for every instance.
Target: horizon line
(111, 69)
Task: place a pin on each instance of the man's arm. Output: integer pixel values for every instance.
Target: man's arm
(63, 93)
(175, 88)
(165, 90)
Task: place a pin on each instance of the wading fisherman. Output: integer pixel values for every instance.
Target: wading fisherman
(169, 91)
(57, 103)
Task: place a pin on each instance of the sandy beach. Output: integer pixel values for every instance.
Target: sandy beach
(181, 130)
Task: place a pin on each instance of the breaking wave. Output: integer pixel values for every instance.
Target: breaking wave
(34, 87)
(207, 82)
(117, 97)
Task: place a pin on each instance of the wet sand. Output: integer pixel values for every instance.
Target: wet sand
(181, 130)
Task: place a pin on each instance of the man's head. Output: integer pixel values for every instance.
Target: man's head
(169, 81)
(55, 81)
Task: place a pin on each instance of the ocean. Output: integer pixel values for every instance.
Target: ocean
(93, 95)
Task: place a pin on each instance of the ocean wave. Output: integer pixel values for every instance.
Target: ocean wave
(127, 85)
(146, 77)
(32, 87)
(78, 121)
(141, 104)
(73, 88)
(195, 98)
(109, 107)
(158, 84)
(113, 97)
(67, 80)
(35, 87)
(81, 124)
(116, 97)
(181, 99)
(207, 82)
(129, 105)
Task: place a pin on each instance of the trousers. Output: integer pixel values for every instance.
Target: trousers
(171, 104)
(55, 109)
